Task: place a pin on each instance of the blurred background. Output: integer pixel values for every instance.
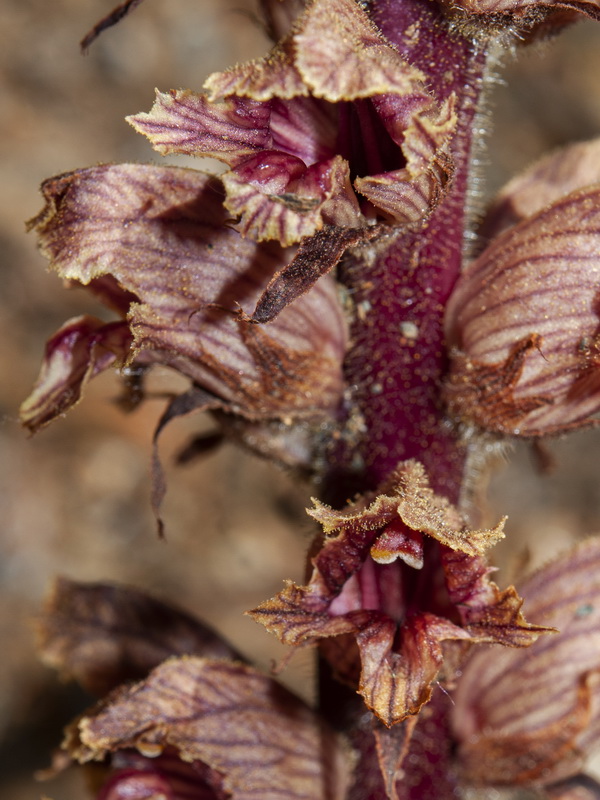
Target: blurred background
(74, 500)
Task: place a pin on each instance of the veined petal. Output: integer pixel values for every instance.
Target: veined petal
(186, 122)
(160, 233)
(278, 197)
(402, 198)
(531, 717)
(262, 79)
(524, 319)
(257, 738)
(342, 55)
(396, 681)
(81, 349)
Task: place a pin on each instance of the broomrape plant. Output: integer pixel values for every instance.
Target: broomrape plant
(323, 301)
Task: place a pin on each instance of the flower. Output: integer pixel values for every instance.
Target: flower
(198, 722)
(333, 127)
(523, 320)
(399, 572)
(192, 263)
(532, 718)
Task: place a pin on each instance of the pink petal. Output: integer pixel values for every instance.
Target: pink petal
(81, 349)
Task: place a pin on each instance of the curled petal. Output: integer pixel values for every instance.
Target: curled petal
(546, 182)
(532, 716)
(410, 498)
(487, 612)
(81, 349)
(396, 682)
(185, 122)
(524, 321)
(256, 738)
(402, 199)
(103, 635)
(278, 197)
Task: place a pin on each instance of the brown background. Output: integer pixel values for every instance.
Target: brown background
(74, 500)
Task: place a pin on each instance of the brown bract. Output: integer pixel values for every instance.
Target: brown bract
(375, 593)
(255, 737)
(524, 324)
(533, 717)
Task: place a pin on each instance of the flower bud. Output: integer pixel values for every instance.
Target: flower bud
(523, 324)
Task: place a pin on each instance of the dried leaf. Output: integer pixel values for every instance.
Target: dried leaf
(262, 740)
(103, 634)
(316, 256)
(392, 746)
(115, 16)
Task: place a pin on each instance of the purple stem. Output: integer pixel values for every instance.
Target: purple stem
(396, 364)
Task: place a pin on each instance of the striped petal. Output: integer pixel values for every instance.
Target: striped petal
(524, 323)
(532, 716)
(547, 181)
(255, 737)
(528, 11)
